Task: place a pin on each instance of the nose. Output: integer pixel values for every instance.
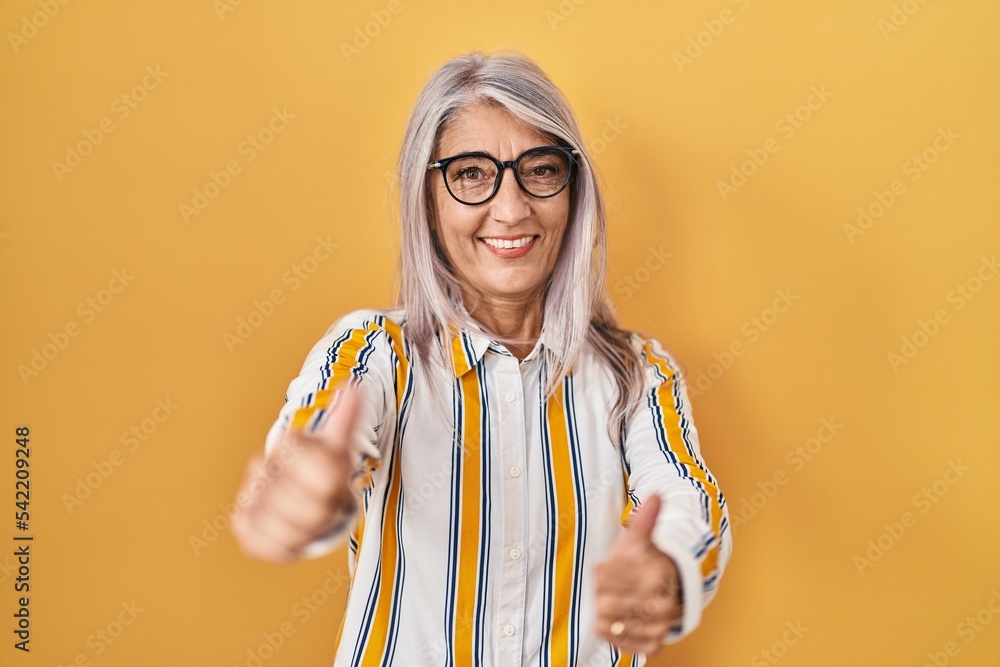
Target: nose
(510, 204)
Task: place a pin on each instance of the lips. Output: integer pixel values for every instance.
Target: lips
(509, 248)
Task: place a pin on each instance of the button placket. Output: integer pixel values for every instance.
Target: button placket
(513, 489)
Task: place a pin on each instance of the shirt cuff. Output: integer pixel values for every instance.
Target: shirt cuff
(689, 572)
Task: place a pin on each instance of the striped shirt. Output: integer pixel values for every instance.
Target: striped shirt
(484, 515)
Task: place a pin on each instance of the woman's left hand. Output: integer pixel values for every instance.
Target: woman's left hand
(637, 587)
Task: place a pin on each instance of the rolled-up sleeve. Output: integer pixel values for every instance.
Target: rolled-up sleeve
(354, 348)
(662, 456)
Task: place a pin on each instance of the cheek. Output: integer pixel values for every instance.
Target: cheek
(559, 226)
(455, 232)
(442, 223)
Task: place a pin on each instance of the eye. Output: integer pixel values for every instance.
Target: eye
(470, 173)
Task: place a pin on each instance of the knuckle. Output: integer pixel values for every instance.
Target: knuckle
(606, 606)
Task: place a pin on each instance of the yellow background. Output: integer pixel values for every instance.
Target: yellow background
(664, 132)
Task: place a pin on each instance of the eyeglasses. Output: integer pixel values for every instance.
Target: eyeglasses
(474, 178)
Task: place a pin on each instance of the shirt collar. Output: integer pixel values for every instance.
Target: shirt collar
(468, 348)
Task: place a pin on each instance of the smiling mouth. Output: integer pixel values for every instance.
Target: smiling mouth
(508, 243)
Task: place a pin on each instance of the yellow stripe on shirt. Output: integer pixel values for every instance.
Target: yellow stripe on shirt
(347, 359)
(676, 444)
(566, 514)
(375, 642)
(629, 504)
(470, 522)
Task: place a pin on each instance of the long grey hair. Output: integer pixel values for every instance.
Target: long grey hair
(577, 313)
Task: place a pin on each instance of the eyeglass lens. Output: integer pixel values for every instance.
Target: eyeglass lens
(541, 172)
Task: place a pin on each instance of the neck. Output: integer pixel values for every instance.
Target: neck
(517, 319)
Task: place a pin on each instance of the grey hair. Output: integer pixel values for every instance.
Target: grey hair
(577, 313)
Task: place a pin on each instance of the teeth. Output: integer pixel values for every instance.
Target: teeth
(504, 243)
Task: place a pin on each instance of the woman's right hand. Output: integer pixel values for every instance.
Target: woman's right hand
(302, 491)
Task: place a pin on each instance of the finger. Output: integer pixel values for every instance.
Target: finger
(619, 577)
(251, 484)
(614, 600)
(648, 643)
(262, 548)
(304, 510)
(318, 475)
(640, 527)
(252, 542)
(636, 635)
(337, 432)
(299, 501)
(254, 464)
(267, 532)
(631, 634)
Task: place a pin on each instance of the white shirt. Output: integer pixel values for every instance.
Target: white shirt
(476, 544)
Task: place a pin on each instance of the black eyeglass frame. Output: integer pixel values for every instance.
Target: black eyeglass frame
(570, 152)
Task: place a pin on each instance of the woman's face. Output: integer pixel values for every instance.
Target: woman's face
(467, 232)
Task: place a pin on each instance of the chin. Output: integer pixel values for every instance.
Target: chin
(510, 287)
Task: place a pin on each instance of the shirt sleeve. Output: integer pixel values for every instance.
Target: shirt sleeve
(354, 348)
(662, 456)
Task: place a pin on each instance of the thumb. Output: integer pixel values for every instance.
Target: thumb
(640, 527)
(338, 429)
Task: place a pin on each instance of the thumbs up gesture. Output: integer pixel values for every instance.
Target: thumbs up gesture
(302, 491)
(637, 587)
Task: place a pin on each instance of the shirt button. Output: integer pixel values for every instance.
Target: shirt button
(510, 396)
(515, 553)
(508, 630)
(515, 472)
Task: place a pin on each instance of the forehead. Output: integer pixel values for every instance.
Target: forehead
(489, 128)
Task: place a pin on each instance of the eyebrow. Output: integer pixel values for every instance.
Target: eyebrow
(485, 152)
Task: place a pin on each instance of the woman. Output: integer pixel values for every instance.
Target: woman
(518, 479)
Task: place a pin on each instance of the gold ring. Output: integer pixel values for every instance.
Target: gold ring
(617, 629)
